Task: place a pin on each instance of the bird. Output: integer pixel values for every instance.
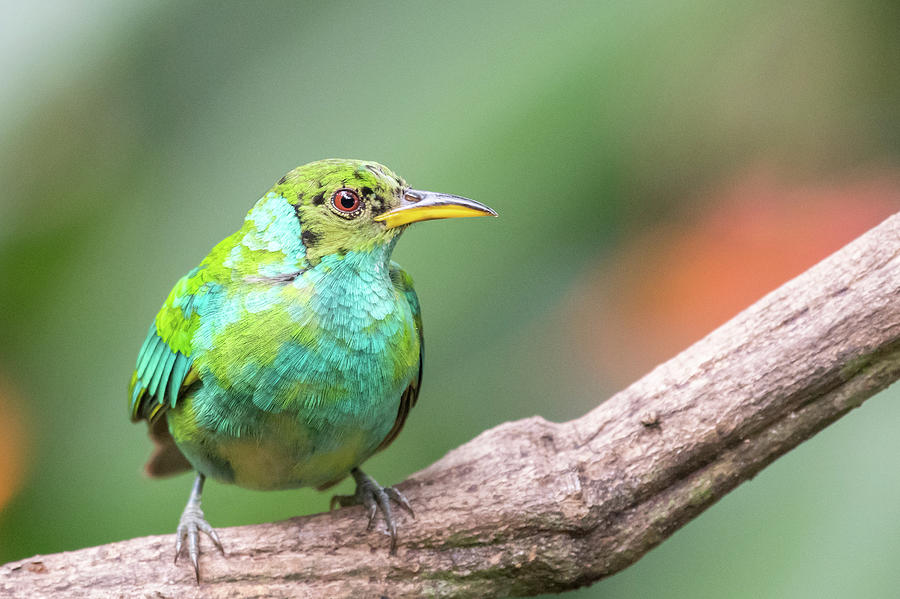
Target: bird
(294, 350)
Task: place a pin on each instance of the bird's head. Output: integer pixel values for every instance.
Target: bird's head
(356, 205)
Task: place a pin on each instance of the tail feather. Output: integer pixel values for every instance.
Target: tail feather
(166, 458)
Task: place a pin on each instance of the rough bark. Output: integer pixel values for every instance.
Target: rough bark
(533, 506)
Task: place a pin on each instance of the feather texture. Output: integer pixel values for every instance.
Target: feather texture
(293, 351)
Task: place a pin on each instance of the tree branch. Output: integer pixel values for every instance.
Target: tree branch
(532, 506)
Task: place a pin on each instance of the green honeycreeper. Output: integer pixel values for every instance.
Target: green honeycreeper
(293, 352)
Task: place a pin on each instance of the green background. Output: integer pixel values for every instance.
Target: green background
(135, 135)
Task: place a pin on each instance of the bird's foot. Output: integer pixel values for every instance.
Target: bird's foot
(374, 498)
(190, 524)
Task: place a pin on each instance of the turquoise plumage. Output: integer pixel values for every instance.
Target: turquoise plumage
(293, 352)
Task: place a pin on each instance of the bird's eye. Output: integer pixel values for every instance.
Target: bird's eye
(346, 203)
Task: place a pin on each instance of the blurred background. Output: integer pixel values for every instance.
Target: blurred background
(658, 166)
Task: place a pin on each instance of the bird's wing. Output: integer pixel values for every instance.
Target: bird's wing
(403, 283)
(164, 366)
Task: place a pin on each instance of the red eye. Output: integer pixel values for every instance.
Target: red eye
(346, 200)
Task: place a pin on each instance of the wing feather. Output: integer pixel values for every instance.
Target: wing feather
(403, 282)
(163, 369)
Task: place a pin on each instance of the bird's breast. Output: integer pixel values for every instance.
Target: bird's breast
(301, 380)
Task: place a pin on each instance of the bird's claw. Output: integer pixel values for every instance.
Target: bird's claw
(191, 522)
(401, 500)
(374, 498)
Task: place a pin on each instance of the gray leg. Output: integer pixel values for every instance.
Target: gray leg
(191, 522)
(374, 497)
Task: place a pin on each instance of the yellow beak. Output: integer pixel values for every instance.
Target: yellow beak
(420, 205)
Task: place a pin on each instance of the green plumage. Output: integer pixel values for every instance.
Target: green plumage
(294, 350)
